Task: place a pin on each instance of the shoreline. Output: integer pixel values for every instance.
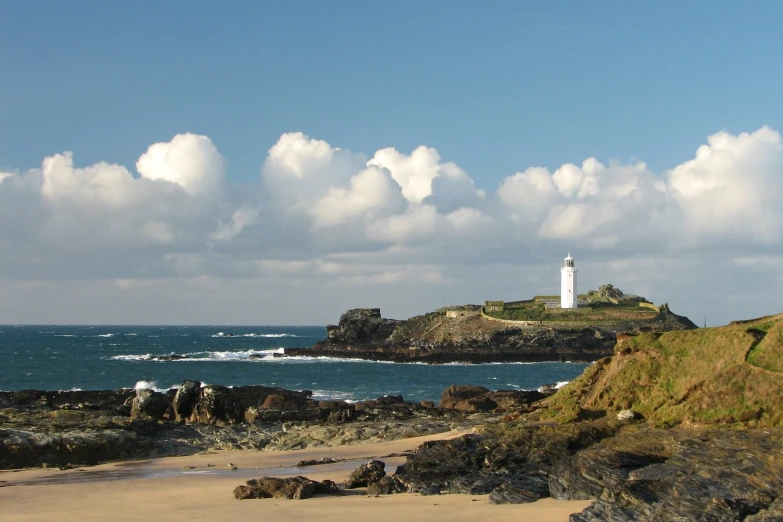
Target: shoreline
(400, 357)
(209, 497)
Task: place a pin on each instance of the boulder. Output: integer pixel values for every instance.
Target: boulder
(149, 403)
(460, 392)
(315, 462)
(365, 474)
(629, 415)
(185, 400)
(386, 486)
(360, 327)
(389, 400)
(476, 404)
(510, 400)
(290, 488)
(216, 405)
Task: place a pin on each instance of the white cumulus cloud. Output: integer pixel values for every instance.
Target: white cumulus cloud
(189, 160)
(321, 216)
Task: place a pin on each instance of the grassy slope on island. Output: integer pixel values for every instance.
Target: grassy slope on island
(728, 374)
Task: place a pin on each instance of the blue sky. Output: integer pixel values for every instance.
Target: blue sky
(495, 87)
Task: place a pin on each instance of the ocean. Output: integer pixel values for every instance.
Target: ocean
(112, 357)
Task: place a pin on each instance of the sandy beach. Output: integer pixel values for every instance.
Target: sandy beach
(199, 487)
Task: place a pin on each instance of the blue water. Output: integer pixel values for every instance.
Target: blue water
(111, 357)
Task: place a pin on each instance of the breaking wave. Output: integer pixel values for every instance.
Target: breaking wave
(334, 395)
(269, 335)
(247, 355)
(151, 385)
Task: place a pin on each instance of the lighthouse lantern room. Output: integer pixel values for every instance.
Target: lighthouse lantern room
(568, 296)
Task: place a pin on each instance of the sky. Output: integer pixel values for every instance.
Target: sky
(281, 162)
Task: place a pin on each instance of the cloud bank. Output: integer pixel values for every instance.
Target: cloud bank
(405, 228)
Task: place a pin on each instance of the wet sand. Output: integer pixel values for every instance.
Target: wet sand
(184, 488)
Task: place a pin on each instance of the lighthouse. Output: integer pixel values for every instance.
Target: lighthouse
(568, 283)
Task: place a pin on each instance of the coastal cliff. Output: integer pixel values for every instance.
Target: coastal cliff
(466, 334)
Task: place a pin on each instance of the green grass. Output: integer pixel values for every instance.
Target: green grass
(712, 375)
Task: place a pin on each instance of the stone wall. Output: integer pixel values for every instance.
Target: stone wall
(452, 314)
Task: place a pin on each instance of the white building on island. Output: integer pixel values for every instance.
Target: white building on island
(568, 295)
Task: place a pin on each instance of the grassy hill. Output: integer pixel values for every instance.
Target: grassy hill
(729, 374)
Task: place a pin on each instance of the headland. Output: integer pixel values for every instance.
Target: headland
(520, 331)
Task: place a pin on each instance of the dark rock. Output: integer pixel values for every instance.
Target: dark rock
(217, 405)
(107, 400)
(474, 484)
(524, 491)
(773, 513)
(478, 398)
(509, 400)
(315, 462)
(172, 357)
(436, 464)
(22, 449)
(327, 487)
(389, 400)
(457, 393)
(566, 482)
(504, 451)
(221, 405)
(341, 416)
(717, 475)
(360, 326)
(386, 486)
(149, 403)
(185, 400)
(365, 474)
(476, 404)
(291, 488)
(336, 412)
(426, 490)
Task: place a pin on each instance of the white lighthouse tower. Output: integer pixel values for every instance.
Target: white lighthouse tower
(568, 283)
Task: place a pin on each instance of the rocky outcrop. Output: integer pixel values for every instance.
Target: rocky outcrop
(20, 449)
(185, 400)
(79, 428)
(149, 403)
(513, 455)
(633, 472)
(386, 486)
(478, 398)
(372, 471)
(651, 475)
(360, 327)
(213, 404)
(438, 338)
(290, 488)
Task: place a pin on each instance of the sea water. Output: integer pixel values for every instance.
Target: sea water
(112, 357)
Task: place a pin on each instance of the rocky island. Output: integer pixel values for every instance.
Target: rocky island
(520, 331)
